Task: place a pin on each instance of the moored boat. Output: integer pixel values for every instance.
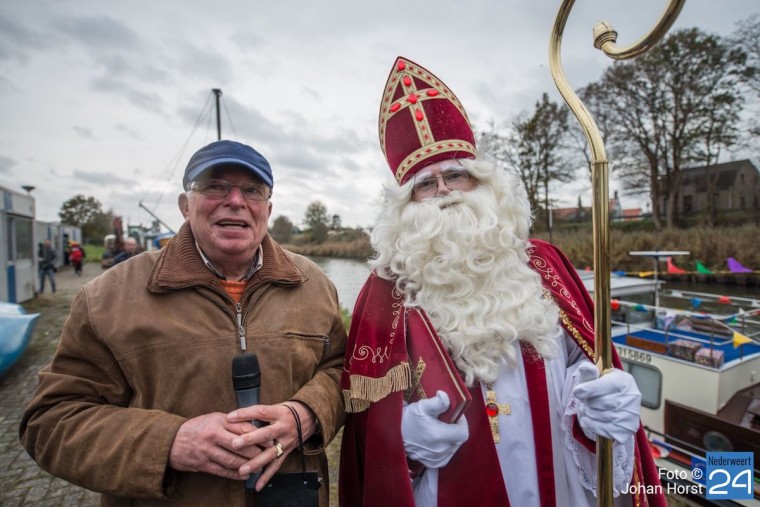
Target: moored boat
(699, 374)
(16, 328)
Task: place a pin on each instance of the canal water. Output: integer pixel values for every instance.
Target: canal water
(349, 276)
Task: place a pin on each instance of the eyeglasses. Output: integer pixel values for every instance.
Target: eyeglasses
(219, 189)
(454, 179)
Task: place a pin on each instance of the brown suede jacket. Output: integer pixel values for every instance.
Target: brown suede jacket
(150, 343)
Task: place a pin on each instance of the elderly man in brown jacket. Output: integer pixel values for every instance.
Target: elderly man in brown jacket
(138, 402)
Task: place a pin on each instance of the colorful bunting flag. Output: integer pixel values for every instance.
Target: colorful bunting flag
(724, 300)
(736, 266)
(673, 269)
(695, 302)
(702, 269)
(740, 339)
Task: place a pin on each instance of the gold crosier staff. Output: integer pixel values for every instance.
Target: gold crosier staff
(604, 39)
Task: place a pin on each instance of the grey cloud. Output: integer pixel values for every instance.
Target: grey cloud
(6, 164)
(16, 40)
(344, 142)
(247, 41)
(139, 98)
(350, 165)
(101, 178)
(99, 33)
(128, 131)
(205, 64)
(296, 159)
(250, 124)
(83, 132)
(118, 53)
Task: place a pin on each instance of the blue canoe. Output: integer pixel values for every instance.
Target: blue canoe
(16, 328)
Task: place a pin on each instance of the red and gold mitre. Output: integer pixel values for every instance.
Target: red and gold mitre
(421, 121)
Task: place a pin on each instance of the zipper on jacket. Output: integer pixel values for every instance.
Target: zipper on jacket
(241, 328)
(325, 345)
(323, 338)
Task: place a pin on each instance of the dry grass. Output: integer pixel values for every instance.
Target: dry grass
(710, 246)
(357, 248)
(333, 461)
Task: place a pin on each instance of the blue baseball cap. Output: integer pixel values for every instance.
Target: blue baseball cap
(228, 153)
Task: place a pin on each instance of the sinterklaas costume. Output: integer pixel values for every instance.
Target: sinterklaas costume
(422, 122)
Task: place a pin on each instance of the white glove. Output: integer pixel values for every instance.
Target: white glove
(609, 405)
(426, 438)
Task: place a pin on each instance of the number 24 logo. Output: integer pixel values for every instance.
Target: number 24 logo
(718, 489)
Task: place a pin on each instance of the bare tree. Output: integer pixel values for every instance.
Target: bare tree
(747, 37)
(534, 148)
(674, 105)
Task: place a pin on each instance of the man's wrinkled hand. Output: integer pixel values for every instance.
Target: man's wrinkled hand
(280, 429)
(205, 444)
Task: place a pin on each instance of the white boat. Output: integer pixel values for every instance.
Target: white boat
(700, 393)
(16, 329)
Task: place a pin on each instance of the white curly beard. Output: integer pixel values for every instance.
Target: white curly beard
(463, 259)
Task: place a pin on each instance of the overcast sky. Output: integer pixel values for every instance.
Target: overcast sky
(103, 98)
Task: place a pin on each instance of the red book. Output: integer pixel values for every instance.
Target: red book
(432, 367)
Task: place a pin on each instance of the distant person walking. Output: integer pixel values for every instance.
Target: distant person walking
(76, 256)
(130, 250)
(47, 257)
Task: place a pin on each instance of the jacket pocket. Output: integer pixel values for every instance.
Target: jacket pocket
(289, 360)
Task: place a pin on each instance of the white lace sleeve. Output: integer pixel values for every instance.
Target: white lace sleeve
(623, 454)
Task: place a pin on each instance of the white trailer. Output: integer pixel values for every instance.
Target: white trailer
(18, 258)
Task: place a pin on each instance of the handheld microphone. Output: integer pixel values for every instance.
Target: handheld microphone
(246, 380)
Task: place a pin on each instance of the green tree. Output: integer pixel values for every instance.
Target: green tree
(100, 225)
(282, 229)
(79, 210)
(87, 213)
(316, 221)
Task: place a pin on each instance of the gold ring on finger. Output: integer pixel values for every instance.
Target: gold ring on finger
(278, 447)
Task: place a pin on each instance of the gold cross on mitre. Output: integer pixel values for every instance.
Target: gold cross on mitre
(494, 410)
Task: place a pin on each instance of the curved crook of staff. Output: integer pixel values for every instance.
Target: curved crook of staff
(604, 39)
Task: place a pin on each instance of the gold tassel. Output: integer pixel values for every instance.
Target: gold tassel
(366, 390)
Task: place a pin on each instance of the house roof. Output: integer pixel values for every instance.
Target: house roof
(725, 172)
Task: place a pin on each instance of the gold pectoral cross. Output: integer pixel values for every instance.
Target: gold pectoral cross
(417, 379)
(494, 410)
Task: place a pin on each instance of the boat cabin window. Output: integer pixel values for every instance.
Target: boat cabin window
(649, 381)
(20, 238)
(634, 315)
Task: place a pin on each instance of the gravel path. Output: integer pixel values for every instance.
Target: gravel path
(23, 482)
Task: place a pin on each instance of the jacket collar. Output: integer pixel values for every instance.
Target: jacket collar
(180, 266)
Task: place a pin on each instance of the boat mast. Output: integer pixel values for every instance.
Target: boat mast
(156, 217)
(218, 94)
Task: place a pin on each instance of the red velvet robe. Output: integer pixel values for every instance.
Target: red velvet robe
(373, 467)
